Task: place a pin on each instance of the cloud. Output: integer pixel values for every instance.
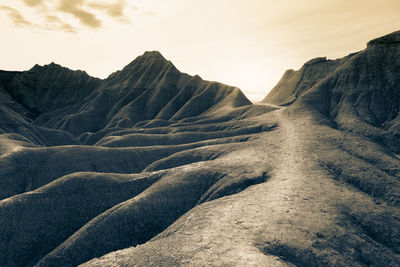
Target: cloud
(56, 22)
(115, 10)
(75, 8)
(33, 3)
(52, 22)
(48, 14)
(16, 17)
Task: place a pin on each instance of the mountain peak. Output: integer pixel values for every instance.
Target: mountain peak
(153, 54)
(391, 38)
(148, 58)
(52, 65)
(315, 60)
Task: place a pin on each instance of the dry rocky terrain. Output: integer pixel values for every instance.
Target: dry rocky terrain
(153, 167)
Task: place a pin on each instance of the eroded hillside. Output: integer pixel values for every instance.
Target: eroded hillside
(360, 92)
(152, 167)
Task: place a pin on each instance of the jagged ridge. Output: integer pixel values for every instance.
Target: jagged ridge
(150, 87)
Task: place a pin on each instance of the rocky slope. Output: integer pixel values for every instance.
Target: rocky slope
(148, 88)
(151, 167)
(360, 92)
(63, 131)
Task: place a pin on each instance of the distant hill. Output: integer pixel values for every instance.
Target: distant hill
(150, 87)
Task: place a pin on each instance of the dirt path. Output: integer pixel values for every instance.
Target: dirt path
(276, 215)
(292, 160)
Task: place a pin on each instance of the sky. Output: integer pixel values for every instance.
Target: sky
(243, 43)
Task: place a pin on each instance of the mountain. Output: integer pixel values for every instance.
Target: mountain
(150, 87)
(152, 167)
(360, 92)
(63, 131)
(53, 106)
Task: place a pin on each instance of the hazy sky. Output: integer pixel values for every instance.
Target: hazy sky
(244, 43)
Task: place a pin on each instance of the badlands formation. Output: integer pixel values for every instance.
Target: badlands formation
(153, 167)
